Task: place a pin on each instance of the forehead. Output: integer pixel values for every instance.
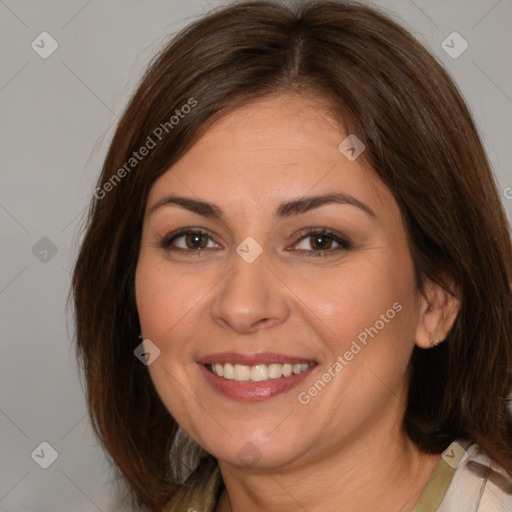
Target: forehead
(278, 147)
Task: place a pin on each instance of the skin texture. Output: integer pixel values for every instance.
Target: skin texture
(347, 441)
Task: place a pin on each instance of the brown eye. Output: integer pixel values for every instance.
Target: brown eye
(321, 242)
(196, 241)
(190, 241)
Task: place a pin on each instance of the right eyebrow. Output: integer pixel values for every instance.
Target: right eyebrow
(194, 205)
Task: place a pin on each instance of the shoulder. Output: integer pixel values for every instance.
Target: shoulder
(478, 484)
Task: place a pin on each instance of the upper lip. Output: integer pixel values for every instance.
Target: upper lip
(252, 359)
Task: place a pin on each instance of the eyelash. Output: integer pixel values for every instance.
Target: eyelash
(343, 243)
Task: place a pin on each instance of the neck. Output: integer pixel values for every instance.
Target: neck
(386, 473)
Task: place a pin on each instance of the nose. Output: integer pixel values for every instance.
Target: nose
(250, 297)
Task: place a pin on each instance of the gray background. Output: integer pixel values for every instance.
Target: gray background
(57, 117)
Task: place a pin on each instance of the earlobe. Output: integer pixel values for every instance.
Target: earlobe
(438, 312)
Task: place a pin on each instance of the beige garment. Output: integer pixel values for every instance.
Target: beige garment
(465, 480)
(477, 484)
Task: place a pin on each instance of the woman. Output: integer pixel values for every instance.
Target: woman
(294, 288)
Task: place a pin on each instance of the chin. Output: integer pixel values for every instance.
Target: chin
(258, 452)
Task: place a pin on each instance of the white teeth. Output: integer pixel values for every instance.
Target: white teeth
(242, 372)
(287, 370)
(228, 372)
(259, 372)
(275, 371)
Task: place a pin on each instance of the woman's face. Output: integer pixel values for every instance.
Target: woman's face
(263, 291)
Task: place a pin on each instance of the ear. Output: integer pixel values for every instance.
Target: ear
(438, 311)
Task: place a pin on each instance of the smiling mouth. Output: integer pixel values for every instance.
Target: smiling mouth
(257, 373)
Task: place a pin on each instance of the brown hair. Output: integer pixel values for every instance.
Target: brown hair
(420, 140)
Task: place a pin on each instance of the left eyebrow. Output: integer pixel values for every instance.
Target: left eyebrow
(305, 204)
(286, 209)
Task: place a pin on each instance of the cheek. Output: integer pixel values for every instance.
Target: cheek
(166, 301)
(368, 300)
(349, 299)
(370, 319)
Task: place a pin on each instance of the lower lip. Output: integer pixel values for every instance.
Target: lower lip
(250, 391)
